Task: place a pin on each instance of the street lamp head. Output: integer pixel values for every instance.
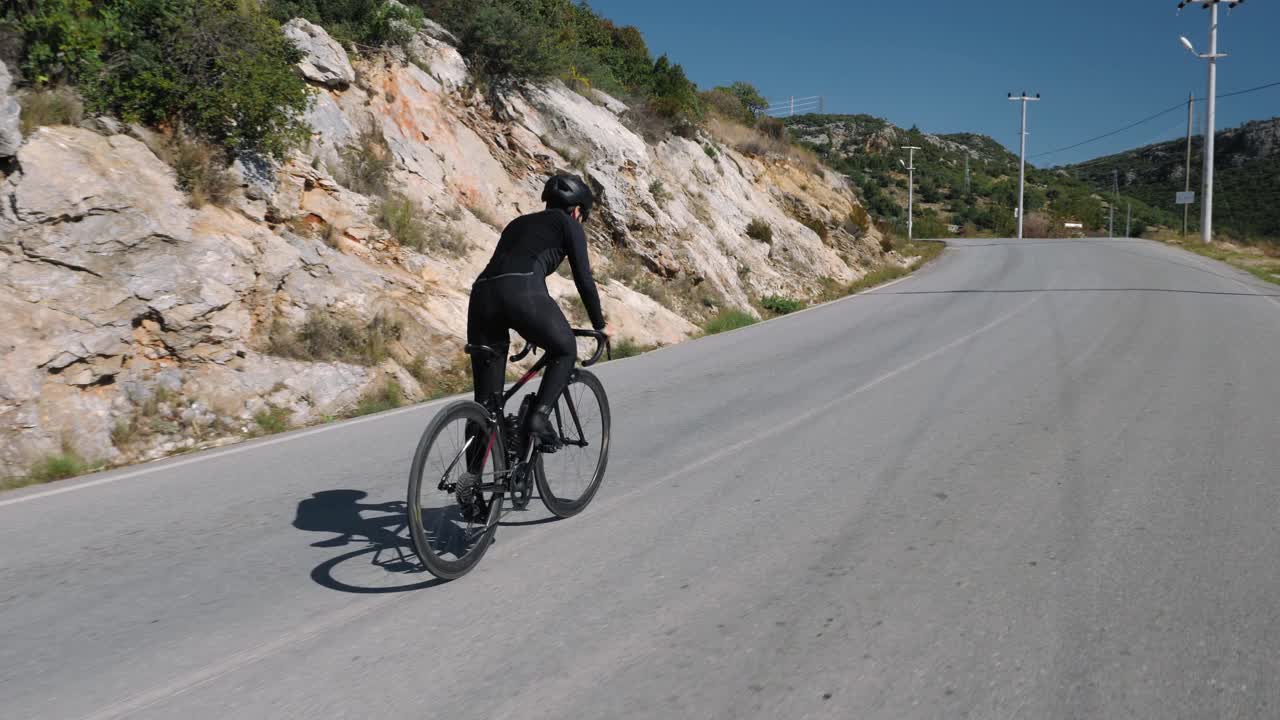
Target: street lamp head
(904, 165)
(1187, 44)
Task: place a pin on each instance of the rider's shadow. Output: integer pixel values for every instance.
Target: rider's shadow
(340, 514)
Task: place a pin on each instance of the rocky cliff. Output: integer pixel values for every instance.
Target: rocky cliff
(137, 324)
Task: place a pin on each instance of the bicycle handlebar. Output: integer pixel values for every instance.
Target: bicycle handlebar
(603, 347)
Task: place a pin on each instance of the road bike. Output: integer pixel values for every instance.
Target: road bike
(472, 458)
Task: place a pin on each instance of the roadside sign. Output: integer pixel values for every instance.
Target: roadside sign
(1186, 198)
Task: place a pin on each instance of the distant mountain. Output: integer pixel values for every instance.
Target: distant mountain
(867, 149)
(1246, 178)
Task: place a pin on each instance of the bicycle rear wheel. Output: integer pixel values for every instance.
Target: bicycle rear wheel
(569, 478)
(456, 490)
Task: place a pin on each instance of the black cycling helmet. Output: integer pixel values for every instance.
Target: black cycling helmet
(566, 191)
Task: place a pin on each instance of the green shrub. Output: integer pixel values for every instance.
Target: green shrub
(66, 464)
(51, 106)
(627, 347)
(505, 41)
(760, 230)
(220, 68)
(659, 192)
(271, 421)
(387, 396)
(374, 23)
(64, 40)
(673, 95)
(779, 305)
(711, 151)
(740, 102)
(886, 243)
(400, 216)
(728, 320)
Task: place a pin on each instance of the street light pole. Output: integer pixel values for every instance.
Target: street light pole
(1186, 209)
(1022, 161)
(911, 189)
(1206, 207)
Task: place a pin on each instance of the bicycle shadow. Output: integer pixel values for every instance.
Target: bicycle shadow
(340, 513)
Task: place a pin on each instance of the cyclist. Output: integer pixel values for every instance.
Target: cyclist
(511, 294)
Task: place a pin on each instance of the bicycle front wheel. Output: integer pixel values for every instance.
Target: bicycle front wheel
(456, 490)
(569, 478)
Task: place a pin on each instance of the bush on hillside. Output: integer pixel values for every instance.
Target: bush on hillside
(510, 41)
(220, 68)
(504, 41)
(370, 23)
(740, 102)
(759, 229)
(780, 305)
(63, 40)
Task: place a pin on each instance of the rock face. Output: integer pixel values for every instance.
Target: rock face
(10, 131)
(143, 325)
(324, 61)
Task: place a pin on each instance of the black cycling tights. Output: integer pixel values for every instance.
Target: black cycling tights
(520, 303)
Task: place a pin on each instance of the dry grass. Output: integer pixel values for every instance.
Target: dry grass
(366, 165)
(51, 106)
(751, 141)
(328, 337)
(453, 379)
(1261, 259)
(201, 169)
(387, 396)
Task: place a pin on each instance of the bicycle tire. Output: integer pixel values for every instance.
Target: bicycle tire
(462, 411)
(563, 506)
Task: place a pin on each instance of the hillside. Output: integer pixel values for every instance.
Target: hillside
(867, 150)
(155, 303)
(1247, 178)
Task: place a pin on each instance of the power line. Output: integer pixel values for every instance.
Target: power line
(1130, 126)
(1150, 118)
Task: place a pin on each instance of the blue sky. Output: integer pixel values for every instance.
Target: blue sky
(947, 65)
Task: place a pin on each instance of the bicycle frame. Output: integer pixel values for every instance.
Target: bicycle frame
(500, 400)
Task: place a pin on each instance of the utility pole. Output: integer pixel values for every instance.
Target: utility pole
(1022, 162)
(1186, 209)
(1128, 218)
(1206, 207)
(792, 111)
(967, 191)
(911, 189)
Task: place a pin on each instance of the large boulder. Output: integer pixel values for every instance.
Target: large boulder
(323, 59)
(10, 132)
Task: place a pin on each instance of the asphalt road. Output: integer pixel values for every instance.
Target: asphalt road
(1038, 479)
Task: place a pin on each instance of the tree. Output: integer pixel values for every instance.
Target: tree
(752, 101)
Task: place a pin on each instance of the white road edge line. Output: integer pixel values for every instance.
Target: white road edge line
(159, 465)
